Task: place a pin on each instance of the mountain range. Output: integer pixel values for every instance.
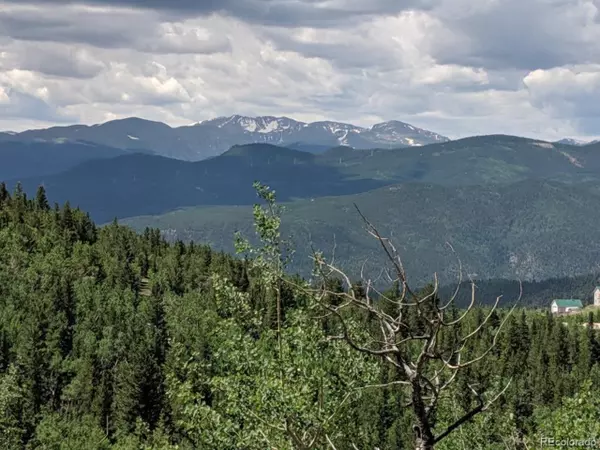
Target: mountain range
(576, 142)
(213, 137)
(140, 184)
(510, 206)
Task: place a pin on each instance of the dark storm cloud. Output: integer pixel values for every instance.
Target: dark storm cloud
(271, 12)
(54, 62)
(526, 35)
(496, 35)
(348, 55)
(102, 29)
(108, 30)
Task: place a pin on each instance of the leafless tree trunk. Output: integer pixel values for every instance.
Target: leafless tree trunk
(427, 369)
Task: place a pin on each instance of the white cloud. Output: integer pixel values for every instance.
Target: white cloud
(568, 92)
(456, 67)
(453, 75)
(4, 98)
(531, 34)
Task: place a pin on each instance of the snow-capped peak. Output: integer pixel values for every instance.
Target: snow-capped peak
(569, 141)
(391, 124)
(395, 131)
(338, 127)
(239, 129)
(261, 124)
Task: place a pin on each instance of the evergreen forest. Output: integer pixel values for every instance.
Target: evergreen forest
(112, 339)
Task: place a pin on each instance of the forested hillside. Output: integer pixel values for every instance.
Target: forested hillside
(20, 160)
(533, 229)
(115, 340)
(536, 294)
(511, 207)
(142, 184)
(138, 184)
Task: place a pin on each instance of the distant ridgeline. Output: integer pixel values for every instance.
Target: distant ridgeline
(511, 207)
(537, 294)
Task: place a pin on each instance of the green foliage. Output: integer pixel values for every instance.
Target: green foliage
(69, 432)
(578, 417)
(112, 339)
(11, 403)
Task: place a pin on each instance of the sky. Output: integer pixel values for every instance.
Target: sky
(456, 67)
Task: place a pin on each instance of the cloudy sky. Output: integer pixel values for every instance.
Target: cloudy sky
(457, 67)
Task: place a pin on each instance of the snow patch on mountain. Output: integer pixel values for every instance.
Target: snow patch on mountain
(395, 131)
(251, 127)
(238, 129)
(248, 124)
(572, 159)
(227, 120)
(343, 140)
(269, 127)
(574, 142)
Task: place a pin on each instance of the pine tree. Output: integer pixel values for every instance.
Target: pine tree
(41, 201)
(4, 195)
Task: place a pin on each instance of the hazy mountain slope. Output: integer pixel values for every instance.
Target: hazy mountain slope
(146, 184)
(131, 133)
(538, 293)
(530, 229)
(475, 160)
(310, 148)
(212, 137)
(575, 142)
(7, 135)
(142, 184)
(28, 159)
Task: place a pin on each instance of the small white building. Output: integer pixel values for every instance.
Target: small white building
(565, 306)
(597, 296)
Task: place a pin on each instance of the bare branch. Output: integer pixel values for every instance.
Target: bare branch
(333, 251)
(330, 443)
(469, 308)
(384, 244)
(488, 350)
(460, 272)
(399, 338)
(479, 408)
(386, 385)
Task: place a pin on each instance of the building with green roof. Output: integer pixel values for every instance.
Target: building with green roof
(566, 306)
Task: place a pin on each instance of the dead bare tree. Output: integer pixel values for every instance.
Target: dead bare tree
(426, 368)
